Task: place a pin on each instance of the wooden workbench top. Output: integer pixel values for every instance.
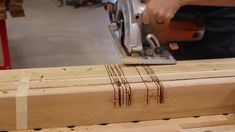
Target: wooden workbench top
(216, 123)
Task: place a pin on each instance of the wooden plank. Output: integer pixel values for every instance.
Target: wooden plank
(99, 71)
(216, 123)
(16, 8)
(7, 110)
(89, 105)
(44, 82)
(85, 95)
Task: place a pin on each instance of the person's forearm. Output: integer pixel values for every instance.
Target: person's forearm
(209, 2)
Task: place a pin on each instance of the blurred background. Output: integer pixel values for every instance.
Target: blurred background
(54, 36)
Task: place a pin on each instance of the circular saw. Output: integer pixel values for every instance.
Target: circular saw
(137, 43)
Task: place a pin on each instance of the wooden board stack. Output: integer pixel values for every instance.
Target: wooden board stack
(57, 97)
(15, 8)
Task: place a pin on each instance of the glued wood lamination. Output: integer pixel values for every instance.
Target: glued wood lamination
(114, 93)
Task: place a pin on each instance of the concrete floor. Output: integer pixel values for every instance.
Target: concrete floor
(53, 37)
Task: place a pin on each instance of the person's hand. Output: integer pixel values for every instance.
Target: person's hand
(160, 11)
(158, 14)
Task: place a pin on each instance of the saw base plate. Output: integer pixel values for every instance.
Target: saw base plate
(135, 59)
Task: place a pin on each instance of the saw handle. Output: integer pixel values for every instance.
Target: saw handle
(183, 27)
(186, 27)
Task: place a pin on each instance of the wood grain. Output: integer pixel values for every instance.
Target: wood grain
(215, 123)
(84, 95)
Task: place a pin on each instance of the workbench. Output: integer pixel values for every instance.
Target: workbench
(107, 94)
(216, 123)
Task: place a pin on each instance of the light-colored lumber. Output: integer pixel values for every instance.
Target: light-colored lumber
(99, 71)
(216, 123)
(85, 96)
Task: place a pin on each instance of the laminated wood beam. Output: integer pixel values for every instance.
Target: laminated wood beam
(88, 95)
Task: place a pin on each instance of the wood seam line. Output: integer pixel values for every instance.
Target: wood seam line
(22, 102)
(157, 82)
(111, 80)
(129, 92)
(161, 86)
(144, 81)
(123, 93)
(124, 89)
(122, 96)
(154, 81)
(116, 83)
(126, 84)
